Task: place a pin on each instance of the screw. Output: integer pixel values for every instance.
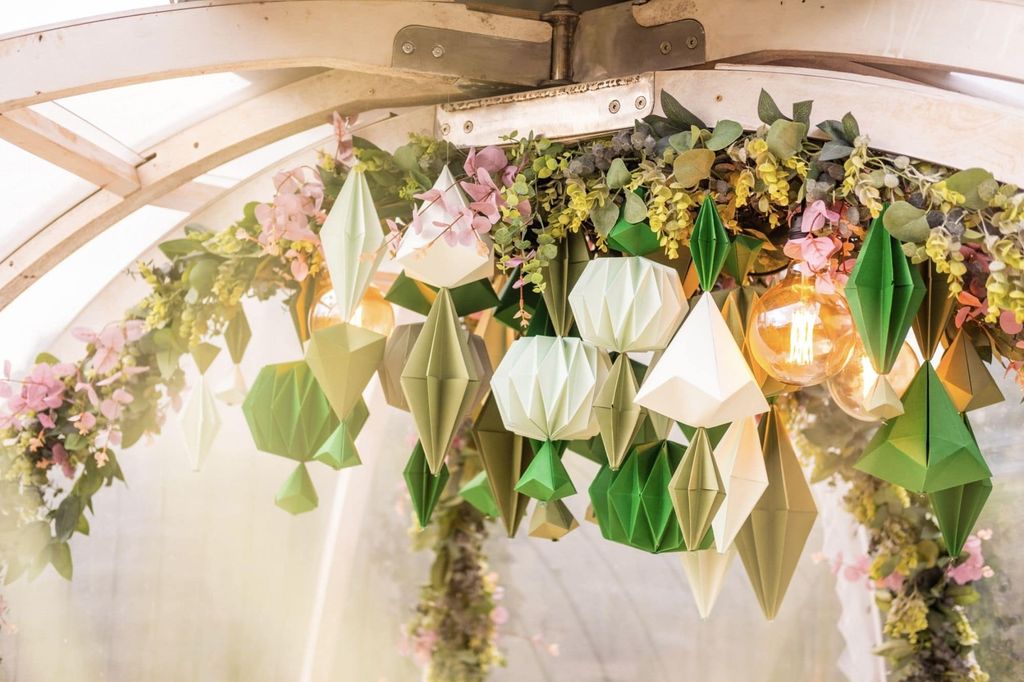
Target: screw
(445, 129)
(691, 42)
(467, 127)
(438, 51)
(408, 48)
(665, 47)
(613, 106)
(641, 102)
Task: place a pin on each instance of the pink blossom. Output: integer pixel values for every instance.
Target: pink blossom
(298, 198)
(41, 390)
(61, 459)
(345, 155)
(973, 567)
(491, 158)
(499, 615)
(815, 251)
(816, 215)
(893, 581)
(90, 392)
(431, 197)
(46, 420)
(101, 458)
(84, 422)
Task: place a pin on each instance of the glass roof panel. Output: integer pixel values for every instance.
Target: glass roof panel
(18, 16)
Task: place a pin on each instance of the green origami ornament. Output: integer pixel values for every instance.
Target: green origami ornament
(339, 450)
(957, 509)
(343, 358)
(560, 276)
(930, 446)
(696, 489)
(935, 311)
(618, 417)
(419, 297)
(709, 244)
(237, 335)
(440, 379)
(424, 487)
(505, 456)
(741, 257)
(636, 239)
(297, 495)
(204, 354)
(714, 433)
(546, 479)
(477, 492)
(884, 293)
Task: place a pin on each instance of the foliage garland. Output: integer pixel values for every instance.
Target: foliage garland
(64, 419)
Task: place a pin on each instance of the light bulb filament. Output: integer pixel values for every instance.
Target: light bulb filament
(868, 376)
(801, 334)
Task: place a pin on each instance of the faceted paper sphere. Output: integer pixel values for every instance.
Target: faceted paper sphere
(851, 387)
(628, 304)
(799, 335)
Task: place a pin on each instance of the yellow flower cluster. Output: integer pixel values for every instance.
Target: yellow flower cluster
(944, 252)
(907, 617)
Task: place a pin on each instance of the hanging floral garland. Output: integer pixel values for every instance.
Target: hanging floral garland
(700, 199)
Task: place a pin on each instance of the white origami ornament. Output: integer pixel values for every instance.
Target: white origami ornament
(352, 239)
(628, 304)
(233, 390)
(429, 257)
(702, 379)
(200, 423)
(545, 387)
(741, 464)
(705, 570)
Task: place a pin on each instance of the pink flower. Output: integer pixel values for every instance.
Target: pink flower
(84, 422)
(499, 615)
(41, 390)
(61, 459)
(491, 159)
(298, 199)
(345, 155)
(893, 581)
(814, 251)
(973, 567)
(815, 216)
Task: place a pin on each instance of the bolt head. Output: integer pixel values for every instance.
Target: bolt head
(467, 127)
(665, 47)
(640, 102)
(614, 106)
(437, 52)
(445, 128)
(408, 48)
(691, 42)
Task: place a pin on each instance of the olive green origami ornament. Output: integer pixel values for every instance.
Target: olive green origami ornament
(343, 358)
(937, 308)
(696, 488)
(709, 244)
(505, 456)
(552, 521)
(560, 276)
(424, 487)
(966, 378)
(477, 492)
(930, 446)
(618, 417)
(237, 335)
(742, 256)
(546, 479)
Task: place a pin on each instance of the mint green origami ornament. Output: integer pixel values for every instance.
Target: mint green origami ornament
(424, 487)
(339, 450)
(709, 244)
(477, 492)
(546, 478)
(957, 509)
(297, 495)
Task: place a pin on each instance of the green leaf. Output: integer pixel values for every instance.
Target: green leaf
(66, 516)
(834, 129)
(604, 217)
(618, 175)
(968, 182)
(850, 127)
(203, 274)
(767, 110)
(693, 166)
(407, 157)
(175, 248)
(906, 222)
(681, 141)
(635, 210)
(802, 112)
(677, 114)
(83, 525)
(60, 557)
(785, 138)
(47, 359)
(726, 132)
(831, 150)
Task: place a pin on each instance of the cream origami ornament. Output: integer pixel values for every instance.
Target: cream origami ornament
(200, 423)
(545, 387)
(234, 389)
(702, 378)
(428, 256)
(741, 463)
(352, 240)
(705, 570)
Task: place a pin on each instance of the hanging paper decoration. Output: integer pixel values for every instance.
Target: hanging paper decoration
(440, 379)
(636, 239)
(545, 387)
(696, 489)
(546, 478)
(483, 368)
(287, 412)
(560, 277)
(343, 358)
(505, 456)
(237, 335)
(302, 302)
(552, 521)
(937, 308)
(957, 509)
(396, 353)
(200, 423)
(705, 570)
(425, 488)
(297, 495)
(339, 450)
(497, 337)
(736, 305)
(774, 535)
(967, 380)
(233, 390)
(627, 304)
(855, 388)
(353, 242)
(477, 492)
(745, 478)
(618, 417)
(741, 257)
(426, 252)
(709, 244)
(929, 447)
(702, 379)
(418, 297)
(204, 354)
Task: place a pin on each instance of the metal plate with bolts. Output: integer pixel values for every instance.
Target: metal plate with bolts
(471, 56)
(569, 111)
(610, 43)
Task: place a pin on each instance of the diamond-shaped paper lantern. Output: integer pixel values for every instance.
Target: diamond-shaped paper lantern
(930, 446)
(418, 297)
(424, 487)
(339, 450)
(741, 465)
(636, 239)
(297, 495)
(428, 256)
(709, 244)
(287, 413)
(352, 240)
(237, 335)
(774, 535)
(440, 379)
(204, 354)
(702, 378)
(705, 571)
(482, 366)
(396, 353)
(343, 358)
(560, 276)
(884, 293)
(477, 492)
(505, 457)
(233, 390)
(935, 311)
(628, 304)
(552, 521)
(545, 387)
(200, 423)
(967, 380)
(696, 489)
(618, 417)
(957, 509)
(742, 255)
(546, 478)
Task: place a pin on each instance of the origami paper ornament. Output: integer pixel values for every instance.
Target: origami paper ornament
(552, 521)
(937, 308)
(424, 487)
(512, 299)
(343, 358)
(627, 304)
(715, 433)
(204, 354)
(426, 253)
(774, 535)
(233, 390)
(545, 387)
(929, 447)
(477, 492)
(440, 379)
(237, 335)
(482, 367)
(636, 239)
(287, 412)
(702, 378)
(339, 450)
(705, 570)
(540, 322)
(884, 293)
(505, 456)
(589, 514)
(882, 400)
(618, 417)
(957, 509)
(546, 479)
(497, 337)
(742, 256)
(353, 242)
(396, 353)
(967, 380)
(709, 244)
(696, 489)
(297, 495)
(301, 304)
(560, 276)
(418, 297)
(745, 478)
(200, 423)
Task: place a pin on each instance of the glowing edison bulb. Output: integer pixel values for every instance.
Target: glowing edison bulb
(798, 334)
(851, 388)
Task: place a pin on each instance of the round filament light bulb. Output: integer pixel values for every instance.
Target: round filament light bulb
(851, 387)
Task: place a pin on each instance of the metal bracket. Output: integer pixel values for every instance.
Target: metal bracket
(471, 56)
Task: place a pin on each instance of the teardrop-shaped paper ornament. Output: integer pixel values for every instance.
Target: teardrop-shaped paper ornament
(967, 380)
(233, 390)
(546, 478)
(705, 570)
(560, 276)
(696, 489)
(618, 417)
(741, 465)
(237, 335)
(200, 423)
(424, 487)
(339, 450)
(935, 311)
(343, 358)
(552, 521)
(709, 244)
(297, 495)
(957, 509)
(396, 354)
(477, 492)
(742, 255)
(505, 456)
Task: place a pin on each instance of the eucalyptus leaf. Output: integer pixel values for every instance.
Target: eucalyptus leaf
(47, 359)
(604, 217)
(693, 166)
(407, 157)
(60, 557)
(677, 114)
(968, 182)
(66, 516)
(831, 151)
(726, 132)
(906, 222)
(767, 110)
(850, 127)
(785, 138)
(635, 210)
(681, 141)
(618, 175)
